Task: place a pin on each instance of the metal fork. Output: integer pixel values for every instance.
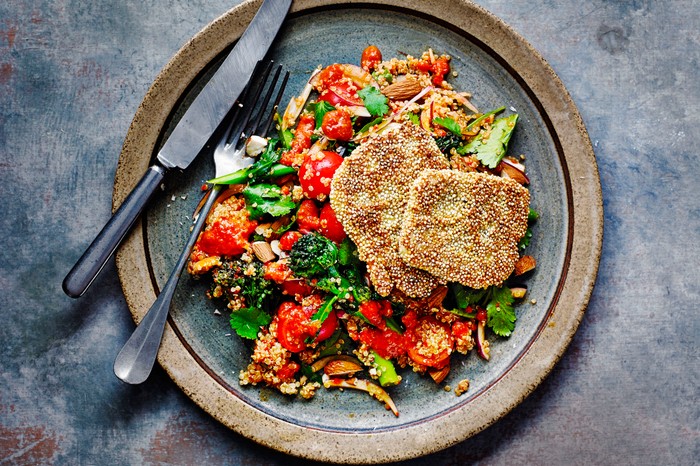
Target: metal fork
(135, 360)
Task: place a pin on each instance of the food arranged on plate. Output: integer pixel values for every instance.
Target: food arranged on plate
(383, 229)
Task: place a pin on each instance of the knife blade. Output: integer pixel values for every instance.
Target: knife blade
(188, 138)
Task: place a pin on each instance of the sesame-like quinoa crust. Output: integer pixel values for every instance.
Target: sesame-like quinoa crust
(464, 227)
(369, 193)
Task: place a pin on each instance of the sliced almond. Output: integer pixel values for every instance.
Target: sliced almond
(518, 292)
(339, 367)
(403, 89)
(525, 264)
(321, 363)
(438, 375)
(263, 251)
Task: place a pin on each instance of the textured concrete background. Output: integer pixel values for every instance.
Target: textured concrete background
(72, 74)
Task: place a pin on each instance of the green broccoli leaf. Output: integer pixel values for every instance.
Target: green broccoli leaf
(491, 150)
(247, 322)
(374, 100)
(500, 312)
(264, 199)
(449, 124)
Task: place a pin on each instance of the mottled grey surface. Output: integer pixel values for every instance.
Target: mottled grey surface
(72, 74)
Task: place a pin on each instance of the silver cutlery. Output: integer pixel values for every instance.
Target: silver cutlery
(186, 141)
(135, 361)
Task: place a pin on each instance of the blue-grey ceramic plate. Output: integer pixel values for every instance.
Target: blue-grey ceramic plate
(498, 68)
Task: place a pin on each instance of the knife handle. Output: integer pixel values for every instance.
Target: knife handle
(103, 246)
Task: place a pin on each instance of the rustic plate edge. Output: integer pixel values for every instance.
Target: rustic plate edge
(318, 444)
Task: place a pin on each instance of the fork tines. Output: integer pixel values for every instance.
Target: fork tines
(250, 111)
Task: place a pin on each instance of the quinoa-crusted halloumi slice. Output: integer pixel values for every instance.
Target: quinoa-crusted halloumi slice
(464, 227)
(369, 193)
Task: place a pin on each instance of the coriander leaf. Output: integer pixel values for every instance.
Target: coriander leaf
(465, 296)
(247, 321)
(414, 118)
(532, 215)
(449, 124)
(500, 312)
(264, 199)
(491, 150)
(320, 109)
(375, 101)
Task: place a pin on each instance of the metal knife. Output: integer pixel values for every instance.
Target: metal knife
(186, 141)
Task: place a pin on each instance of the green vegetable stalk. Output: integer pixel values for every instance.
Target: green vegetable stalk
(386, 370)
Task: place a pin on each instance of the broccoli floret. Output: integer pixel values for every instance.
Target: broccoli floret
(237, 277)
(312, 255)
(448, 142)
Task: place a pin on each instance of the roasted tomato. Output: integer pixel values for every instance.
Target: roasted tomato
(371, 57)
(316, 172)
(431, 343)
(337, 124)
(288, 238)
(329, 75)
(307, 217)
(440, 68)
(227, 237)
(301, 140)
(375, 311)
(297, 286)
(330, 227)
(387, 343)
(294, 326)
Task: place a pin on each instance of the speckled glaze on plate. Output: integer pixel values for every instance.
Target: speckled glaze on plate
(499, 68)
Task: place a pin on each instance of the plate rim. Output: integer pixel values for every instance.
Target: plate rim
(561, 322)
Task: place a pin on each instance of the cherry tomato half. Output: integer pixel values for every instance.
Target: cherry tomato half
(341, 93)
(288, 239)
(330, 227)
(337, 124)
(328, 327)
(316, 172)
(297, 286)
(371, 56)
(431, 343)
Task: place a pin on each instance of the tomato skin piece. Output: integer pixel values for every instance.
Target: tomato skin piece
(308, 217)
(330, 226)
(426, 330)
(316, 172)
(371, 57)
(293, 326)
(440, 68)
(337, 124)
(288, 239)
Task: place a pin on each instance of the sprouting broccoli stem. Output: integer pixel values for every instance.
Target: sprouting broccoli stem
(243, 175)
(386, 370)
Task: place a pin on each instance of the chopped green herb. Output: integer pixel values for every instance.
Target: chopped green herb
(449, 124)
(500, 312)
(375, 101)
(247, 322)
(264, 199)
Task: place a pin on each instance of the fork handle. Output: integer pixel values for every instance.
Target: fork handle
(135, 361)
(103, 246)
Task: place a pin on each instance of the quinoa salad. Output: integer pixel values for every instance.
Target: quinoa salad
(382, 229)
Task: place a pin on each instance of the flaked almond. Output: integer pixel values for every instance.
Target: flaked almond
(263, 251)
(321, 363)
(525, 264)
(438, 375)
(514, 171)
(339, 367)
(518, 292)
(403, 88)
